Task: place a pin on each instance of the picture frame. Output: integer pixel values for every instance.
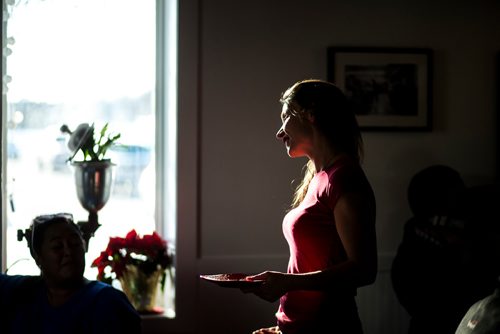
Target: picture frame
(390, 89)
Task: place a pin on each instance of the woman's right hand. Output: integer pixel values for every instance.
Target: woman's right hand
(270, 330)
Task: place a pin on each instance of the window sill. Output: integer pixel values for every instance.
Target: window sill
(157, 323)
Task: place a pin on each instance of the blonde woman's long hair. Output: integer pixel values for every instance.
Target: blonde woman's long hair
(333, 117)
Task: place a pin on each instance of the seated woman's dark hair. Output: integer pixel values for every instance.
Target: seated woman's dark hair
(436, 190)
(35, 234)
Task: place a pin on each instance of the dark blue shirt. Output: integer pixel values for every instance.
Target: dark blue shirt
(94, 309)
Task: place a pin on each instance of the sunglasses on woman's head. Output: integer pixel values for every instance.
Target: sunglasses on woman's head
(40, 221)
(68, 217)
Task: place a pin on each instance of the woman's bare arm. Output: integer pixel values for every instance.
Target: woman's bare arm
(355, 222)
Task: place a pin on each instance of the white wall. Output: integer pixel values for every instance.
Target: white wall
(249, 52)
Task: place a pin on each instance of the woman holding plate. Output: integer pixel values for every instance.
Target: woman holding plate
(330, 228)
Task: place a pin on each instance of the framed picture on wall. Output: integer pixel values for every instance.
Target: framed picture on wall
(389, 88)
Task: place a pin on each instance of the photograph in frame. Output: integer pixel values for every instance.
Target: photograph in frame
(388, 88)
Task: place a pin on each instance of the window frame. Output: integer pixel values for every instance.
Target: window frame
(187, 166)
(3, 135)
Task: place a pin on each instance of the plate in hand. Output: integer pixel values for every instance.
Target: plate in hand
(234, 280)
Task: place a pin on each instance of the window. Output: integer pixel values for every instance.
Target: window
(89, 61)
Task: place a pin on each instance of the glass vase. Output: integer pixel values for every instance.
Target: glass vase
(141, 289)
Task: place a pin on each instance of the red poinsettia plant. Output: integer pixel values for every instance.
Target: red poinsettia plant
(148, 253)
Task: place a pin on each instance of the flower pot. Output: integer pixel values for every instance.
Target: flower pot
(141, 289)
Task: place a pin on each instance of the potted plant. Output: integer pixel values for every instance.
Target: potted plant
(140, 263)
(93, 173)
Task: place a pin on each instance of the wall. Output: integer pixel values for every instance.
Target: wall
(251, 51)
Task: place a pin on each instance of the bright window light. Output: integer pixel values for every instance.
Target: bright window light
(72, 62)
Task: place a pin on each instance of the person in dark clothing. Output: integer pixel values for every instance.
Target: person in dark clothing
(438, 272)
(61, 300)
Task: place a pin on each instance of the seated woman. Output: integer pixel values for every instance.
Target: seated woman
(61, 300)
